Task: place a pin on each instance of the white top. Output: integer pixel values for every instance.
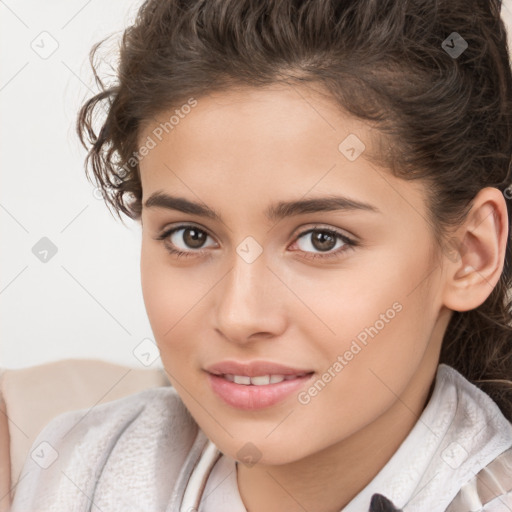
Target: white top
(146, 453)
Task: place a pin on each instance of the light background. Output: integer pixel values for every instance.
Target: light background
(85, 301)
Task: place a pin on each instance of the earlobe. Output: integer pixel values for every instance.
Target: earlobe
(481, 240)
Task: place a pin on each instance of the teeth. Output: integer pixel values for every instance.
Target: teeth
(241, 379)
(260, 380)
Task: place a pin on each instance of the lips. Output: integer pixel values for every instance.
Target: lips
(256, 384)
(254, 369)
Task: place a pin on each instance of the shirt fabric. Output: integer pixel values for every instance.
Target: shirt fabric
(146, 453)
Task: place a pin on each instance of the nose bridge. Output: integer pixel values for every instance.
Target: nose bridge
(244, 304)
(245, 284)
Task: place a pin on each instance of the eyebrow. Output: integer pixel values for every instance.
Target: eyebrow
(274, 212)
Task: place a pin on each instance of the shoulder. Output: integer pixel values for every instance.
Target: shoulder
(152, 410)
(474, 405)
(92, 451)
(480, 451)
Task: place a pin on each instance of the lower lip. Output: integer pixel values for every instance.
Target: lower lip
(249, 397)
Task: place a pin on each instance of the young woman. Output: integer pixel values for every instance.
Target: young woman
(323, 193)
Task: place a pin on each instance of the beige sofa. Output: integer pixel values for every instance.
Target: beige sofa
(31, 397)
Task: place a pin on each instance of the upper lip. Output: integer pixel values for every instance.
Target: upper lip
(253, 368)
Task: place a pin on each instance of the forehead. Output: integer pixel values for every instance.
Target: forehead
(282, 140)
(276, 117)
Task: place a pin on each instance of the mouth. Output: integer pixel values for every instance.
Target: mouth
(260, 380)
(258, 392)
(258, 369)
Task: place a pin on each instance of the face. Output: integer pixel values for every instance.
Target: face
(345, 292)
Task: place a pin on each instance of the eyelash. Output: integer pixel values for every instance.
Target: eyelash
(349, 243)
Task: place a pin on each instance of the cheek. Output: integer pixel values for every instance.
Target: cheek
(167, 300)
(383, 329)
(169, 296)
(360, 302)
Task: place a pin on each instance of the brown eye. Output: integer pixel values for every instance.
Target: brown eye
(323, 240)
(332, 243)
(184, 240)
(194, 238)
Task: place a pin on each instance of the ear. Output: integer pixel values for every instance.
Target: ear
(474, 268)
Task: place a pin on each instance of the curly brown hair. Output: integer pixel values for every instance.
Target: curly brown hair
(446, 118)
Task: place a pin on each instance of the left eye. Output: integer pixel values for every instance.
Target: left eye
(321, 239)
(324, 240)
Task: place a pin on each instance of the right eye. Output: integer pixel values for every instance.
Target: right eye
(188, 235)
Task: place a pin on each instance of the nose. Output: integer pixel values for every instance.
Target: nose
(249, 302)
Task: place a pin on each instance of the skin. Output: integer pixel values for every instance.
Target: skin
(237, 152)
